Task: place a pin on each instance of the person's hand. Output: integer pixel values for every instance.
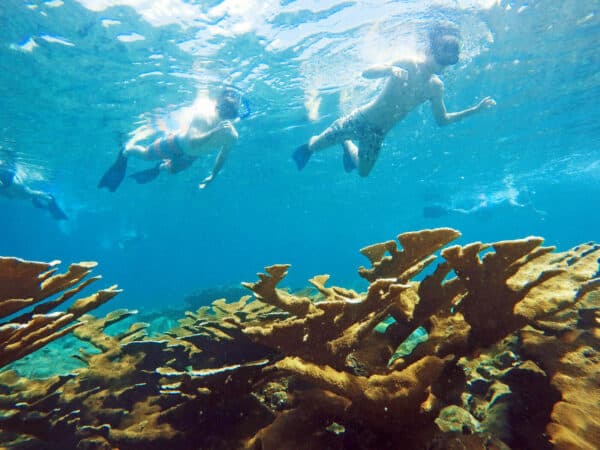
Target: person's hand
(165, 165)
(205, 182)
(226, 128)
(486, 103)
(399, 73)
(221, 128)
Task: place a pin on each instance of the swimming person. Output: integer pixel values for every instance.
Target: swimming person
(484, 204)
(210, 128)
(410, 82)
(13, 186)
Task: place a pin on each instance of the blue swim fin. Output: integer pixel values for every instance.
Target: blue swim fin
(115, 173)
(301, 155)
(146, 176)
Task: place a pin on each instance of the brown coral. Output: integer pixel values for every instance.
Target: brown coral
(299, 370)
(25, 284)
(571, 358)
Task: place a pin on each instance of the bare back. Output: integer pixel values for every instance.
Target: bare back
(401, 96)
(205, 118)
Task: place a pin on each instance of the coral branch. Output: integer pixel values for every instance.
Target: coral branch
(266, 291)
(416, 246)
(25, 283)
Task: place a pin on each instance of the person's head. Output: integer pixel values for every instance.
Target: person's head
(434, 211)
(444, 44)
(228, 103)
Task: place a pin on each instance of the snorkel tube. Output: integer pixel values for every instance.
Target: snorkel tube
(245, 109)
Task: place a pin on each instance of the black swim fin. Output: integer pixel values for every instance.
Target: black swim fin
(51, 206)
(115, 174)
(301, 155)
(55, 210)
(146, 176)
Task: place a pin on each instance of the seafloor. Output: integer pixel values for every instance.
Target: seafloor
(496, 347)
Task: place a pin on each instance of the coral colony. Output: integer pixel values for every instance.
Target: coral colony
(506, 357)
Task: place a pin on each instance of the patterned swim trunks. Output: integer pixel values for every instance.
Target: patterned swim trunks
(356, 127)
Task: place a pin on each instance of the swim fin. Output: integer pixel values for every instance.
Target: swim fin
(146, 176)
(51, 206)
(349, 165)
(301, 155)
(55, 210)
(115, 173)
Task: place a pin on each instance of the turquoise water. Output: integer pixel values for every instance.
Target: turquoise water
(77, 76)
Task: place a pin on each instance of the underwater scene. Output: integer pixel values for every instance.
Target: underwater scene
(299, 224)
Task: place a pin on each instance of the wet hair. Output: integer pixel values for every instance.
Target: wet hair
(444, 42)
(228, 103)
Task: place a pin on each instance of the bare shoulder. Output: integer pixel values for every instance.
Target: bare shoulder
(403, 61)
(406, 63)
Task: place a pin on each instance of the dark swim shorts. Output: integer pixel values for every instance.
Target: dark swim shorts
(167, 147)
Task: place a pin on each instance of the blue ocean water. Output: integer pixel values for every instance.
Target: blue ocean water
(78, 76)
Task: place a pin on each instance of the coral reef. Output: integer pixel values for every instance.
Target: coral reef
(205, 296)
(26, 323)
(506, 356)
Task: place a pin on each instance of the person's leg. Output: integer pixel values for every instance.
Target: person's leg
(46, 201)
(339, 131)
(350, 155)
(160, 149)
(173, 166)
(336, 133)
(138, 151)
(368, 152)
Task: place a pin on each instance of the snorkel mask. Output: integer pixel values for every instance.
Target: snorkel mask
(446, 50)
(232, 104)
(444, 43)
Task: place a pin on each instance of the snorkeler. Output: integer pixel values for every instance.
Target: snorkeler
(484, 204)
(410, 82)
(13, 186)
(210, 128)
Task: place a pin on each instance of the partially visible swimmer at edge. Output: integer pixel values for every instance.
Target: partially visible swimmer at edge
(13, 186)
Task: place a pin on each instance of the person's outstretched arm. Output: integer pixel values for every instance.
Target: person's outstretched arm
(215, 136)
(443, 117)
(384, 71)
(219, 162)
(228, 139)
